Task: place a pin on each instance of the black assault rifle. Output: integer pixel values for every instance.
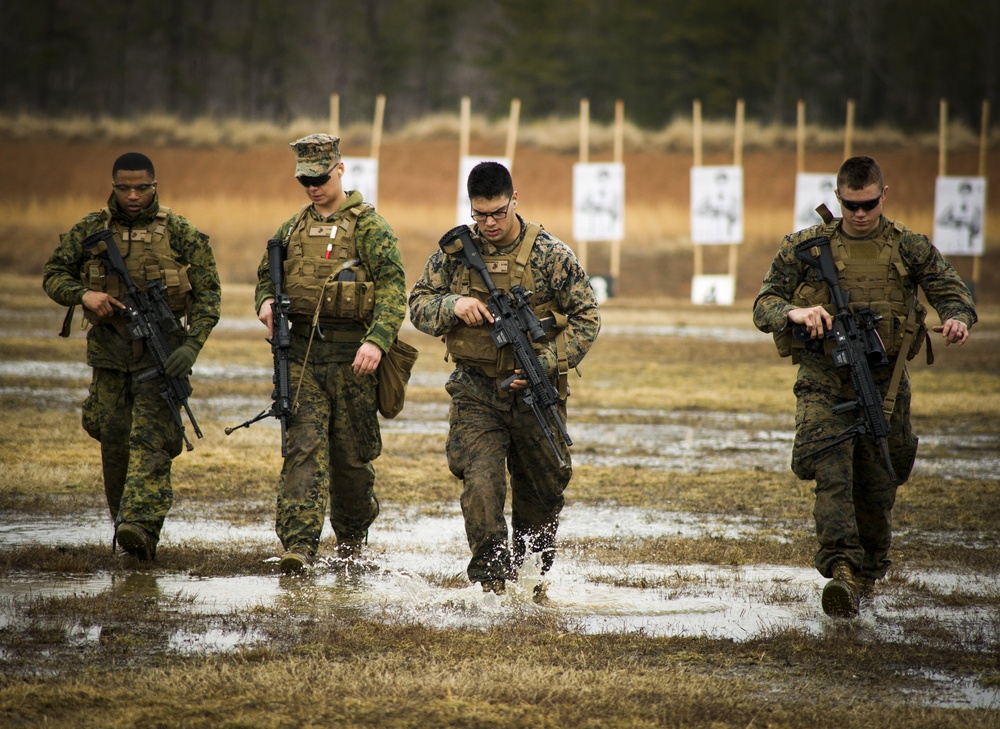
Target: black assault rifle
(281, 345)
(856, 345)
(513, 323)
(148, 319)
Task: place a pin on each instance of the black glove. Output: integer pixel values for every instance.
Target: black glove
(179, 363)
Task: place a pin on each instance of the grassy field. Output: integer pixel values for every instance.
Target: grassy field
(89, 639)
(314, 657)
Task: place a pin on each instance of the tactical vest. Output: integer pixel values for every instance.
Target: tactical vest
(324, 278)
(148, 257)
(474, 345)
(872, 271)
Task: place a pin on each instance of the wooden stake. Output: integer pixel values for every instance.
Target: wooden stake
(849, 131)
(376, 147)
(584, 158)
(943, 139)
(800, 136)
(737, 161)
(699, 257)
(512, 121)
(335, 114)
(464, 126)
(619, 156)
(984, 127)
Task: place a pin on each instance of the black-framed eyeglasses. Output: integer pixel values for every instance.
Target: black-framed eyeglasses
(141, 190)
(313, 181)
(498, 214)
(865, 205)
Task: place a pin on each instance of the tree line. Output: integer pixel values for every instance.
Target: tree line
(276, 60)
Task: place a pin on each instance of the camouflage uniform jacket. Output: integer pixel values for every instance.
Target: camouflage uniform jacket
(925, 266)
(62, 281)
(378, 249)
(558, 276)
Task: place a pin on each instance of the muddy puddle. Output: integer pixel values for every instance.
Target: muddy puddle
(414, 551)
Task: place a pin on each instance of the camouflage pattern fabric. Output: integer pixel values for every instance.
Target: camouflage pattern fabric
(61, 279)
(491, 432)
(378, 250)
(854, 496)
(139, 438)
(137, 433)
(333, 437)
(334, 434)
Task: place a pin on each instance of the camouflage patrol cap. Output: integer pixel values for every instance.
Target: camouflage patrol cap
(316, 154)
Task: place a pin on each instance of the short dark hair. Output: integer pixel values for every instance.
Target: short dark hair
(489, 180)
(858, 173)
(133, 161)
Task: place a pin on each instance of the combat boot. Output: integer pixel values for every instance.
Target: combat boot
(497, 587)
(866, 586)
(136, 541)
(349, 549)
(294, 561)
(840, 596)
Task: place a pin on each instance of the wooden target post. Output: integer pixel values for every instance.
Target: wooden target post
(733, 257)
(377, 122)
(466, 161)
(616, 204)
(362, 172)
(943, 167)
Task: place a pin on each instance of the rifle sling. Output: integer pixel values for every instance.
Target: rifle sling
(909, 332)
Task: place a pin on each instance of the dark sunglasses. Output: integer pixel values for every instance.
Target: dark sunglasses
(865, 205)
(313, 181)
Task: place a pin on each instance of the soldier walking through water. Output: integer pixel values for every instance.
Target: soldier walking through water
(125, 410)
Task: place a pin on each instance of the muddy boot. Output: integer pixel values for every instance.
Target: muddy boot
(294, 561)
(840, 596)
(866, 586)
(136, 541)
(497, 587)
(349, 549)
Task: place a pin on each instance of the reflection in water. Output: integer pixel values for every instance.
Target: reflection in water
(415, 572)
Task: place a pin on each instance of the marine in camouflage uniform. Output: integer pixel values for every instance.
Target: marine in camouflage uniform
(343, 270)
(854, 492)
(138, 435)
(492, 431)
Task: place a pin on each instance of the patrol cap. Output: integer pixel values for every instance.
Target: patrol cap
(316, 154)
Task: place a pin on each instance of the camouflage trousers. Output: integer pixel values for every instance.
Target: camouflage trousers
(139, 438)
(854, 494)
(483, 445)
(333, 437)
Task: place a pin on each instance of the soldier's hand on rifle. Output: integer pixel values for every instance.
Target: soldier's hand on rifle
(181, 360)
(101, 303)
(953, 331)
(266, 316)
(367, 359)
(520, 384)
(472, 311)
(815, 319)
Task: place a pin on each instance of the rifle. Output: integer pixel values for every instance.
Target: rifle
(281, 345)
(857, 346)
(148, 319)
(513, 323)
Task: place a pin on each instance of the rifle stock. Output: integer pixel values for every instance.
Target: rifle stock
(515, 325)
(281, 345)
(148, 319)
(855, 347)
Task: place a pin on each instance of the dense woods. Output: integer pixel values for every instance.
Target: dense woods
(279, 59)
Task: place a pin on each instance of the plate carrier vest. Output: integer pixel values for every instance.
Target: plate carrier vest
(474, 345)
(872, 272)
(148, 257)
(328, 287)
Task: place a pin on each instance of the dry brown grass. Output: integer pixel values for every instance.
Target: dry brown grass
(316, 664)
